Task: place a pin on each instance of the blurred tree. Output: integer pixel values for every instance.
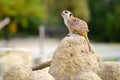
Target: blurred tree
(105, 20)
(26, 15)
(113, 21)
(20, 11)
(78, 7)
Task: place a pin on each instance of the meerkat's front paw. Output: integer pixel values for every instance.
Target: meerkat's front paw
(69, 34)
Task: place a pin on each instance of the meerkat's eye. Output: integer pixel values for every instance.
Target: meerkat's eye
(66, 12)
(70, 14)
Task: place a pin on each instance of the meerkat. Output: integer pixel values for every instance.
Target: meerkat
(76, 25)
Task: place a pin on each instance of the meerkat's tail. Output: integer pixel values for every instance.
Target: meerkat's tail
(88, 42)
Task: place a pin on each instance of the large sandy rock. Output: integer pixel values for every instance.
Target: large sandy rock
(86, 76)
(72, 57)
(23, 72)
(9, 58)
(109, 70)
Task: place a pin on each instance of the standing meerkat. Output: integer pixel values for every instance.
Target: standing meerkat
(76, 25)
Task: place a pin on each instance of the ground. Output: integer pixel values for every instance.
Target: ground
(48, 46)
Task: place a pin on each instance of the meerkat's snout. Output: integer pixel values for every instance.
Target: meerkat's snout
(64, 12)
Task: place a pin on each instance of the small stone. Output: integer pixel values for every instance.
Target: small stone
(18, 72)
(109, 70)
(41, 75)
(23, 72)
(8, 58)
(86, 76)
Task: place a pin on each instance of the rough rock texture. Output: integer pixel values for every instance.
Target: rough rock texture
(72, 57)
(86, 76)
(18, 72)
(109, 70)
(41, 75)
(10, 58)
(23, 72)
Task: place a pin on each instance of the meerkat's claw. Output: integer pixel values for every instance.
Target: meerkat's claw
(68, 35)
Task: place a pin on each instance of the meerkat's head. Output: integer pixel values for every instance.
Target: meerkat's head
(66, 14)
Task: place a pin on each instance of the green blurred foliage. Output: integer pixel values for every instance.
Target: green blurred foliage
(103, 16)
(78, 7)
(105, 20)
(22, 9)
(111, 59)
(21, 12)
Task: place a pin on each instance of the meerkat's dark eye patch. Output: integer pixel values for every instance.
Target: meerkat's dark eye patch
(66, 11)
(71, 14)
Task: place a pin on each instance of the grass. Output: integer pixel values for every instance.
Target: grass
(111, 59)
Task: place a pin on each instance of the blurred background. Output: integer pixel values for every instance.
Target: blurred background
(36, 26)
(31, 30)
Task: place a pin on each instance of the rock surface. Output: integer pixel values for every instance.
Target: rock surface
(72, 57)
(86, 76)
(23, 72)
(71, 61)
(13, 57)
(41, 75)
(109, 70)
(18, 72)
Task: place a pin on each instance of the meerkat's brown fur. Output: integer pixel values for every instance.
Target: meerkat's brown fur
(76, 25)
